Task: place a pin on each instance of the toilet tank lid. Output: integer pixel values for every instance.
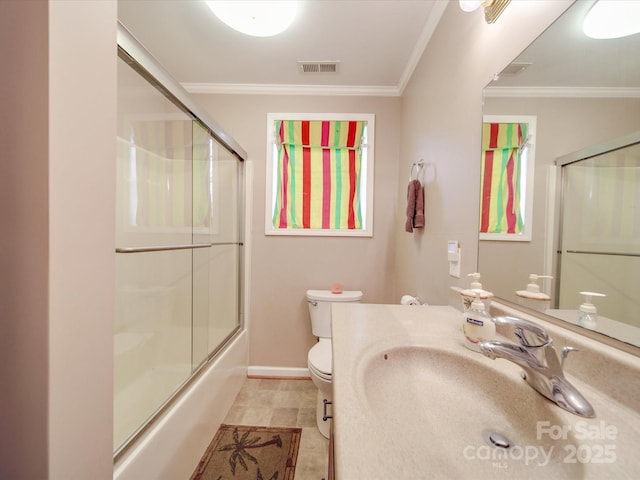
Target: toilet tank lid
(327, 296)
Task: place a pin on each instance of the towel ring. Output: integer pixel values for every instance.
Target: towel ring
(416, 166)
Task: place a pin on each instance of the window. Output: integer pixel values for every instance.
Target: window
(506, 178)
(319, 174)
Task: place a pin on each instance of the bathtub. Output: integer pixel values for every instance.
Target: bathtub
(172, 446)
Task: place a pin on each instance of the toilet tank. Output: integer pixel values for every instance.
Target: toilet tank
(320, 301)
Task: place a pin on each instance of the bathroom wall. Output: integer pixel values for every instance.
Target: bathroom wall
(24, 240)
(56, 247)
(439, 119)
(283, 268)
(441, 123)
(82, 119)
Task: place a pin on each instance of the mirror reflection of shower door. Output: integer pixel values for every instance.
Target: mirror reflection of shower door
(601, 233)
(178, 250)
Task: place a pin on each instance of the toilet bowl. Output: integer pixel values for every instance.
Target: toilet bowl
(319, 358)
(320, 354)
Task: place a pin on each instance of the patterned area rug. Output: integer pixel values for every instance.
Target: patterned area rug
(243, 452)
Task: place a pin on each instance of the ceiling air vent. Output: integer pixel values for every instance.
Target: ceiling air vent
(515, 68)
(318, 67)
(512, 69)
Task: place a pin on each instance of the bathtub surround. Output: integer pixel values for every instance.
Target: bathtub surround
(171, 448)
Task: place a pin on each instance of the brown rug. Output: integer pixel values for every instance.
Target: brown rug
(243, 452)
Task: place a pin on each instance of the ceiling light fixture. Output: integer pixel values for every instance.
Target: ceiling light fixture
(260, 18)
(612, 19)
(470, 5)
(492, 8)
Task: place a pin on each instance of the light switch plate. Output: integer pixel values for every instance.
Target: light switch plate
(454, 266)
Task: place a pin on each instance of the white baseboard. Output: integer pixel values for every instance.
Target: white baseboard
(284, 372)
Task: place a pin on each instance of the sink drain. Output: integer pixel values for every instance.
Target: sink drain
(496, 439)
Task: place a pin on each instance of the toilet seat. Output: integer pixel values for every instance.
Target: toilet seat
(319, 359)
(319, 375)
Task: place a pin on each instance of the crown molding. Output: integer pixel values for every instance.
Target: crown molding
(563, 92)
(429, 27)
(275, 89)
(332, 90)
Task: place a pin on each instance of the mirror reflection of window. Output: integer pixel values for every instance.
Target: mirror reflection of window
(506, 189)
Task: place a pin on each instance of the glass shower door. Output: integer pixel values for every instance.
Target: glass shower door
(178, 250)
(216, 291)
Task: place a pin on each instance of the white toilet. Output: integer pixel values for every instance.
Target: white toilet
(319, 359)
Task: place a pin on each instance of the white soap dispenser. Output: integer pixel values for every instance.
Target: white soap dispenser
(469, 294)
(587, 313)
(477, 324)
(532, 297)
(475, 282)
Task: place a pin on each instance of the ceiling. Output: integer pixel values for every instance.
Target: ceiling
(376, 42)
(563, 57)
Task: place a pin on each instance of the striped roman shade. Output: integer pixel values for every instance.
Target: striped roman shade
(318, 174)
(500, 177)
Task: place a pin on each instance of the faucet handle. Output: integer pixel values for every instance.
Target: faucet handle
(524, 332)
(565, 353)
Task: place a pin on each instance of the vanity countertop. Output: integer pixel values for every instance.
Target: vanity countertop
(369, 448)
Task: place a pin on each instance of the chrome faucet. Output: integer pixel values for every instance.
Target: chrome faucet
(533, 350)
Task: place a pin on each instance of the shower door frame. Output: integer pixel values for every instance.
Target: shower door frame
(138, 58)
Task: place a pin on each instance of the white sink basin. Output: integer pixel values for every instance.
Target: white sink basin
(408, 388)
(412, 403)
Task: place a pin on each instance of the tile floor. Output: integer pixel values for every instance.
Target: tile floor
(285, 403)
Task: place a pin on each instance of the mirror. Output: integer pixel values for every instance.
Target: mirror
(583, 93)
